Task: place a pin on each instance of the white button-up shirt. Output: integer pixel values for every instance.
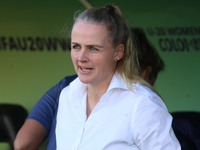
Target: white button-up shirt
(122, 120)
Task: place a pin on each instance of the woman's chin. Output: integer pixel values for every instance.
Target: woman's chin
(85, 80)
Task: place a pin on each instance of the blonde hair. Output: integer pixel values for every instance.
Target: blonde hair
(119, 33)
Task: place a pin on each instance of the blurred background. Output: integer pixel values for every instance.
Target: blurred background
(34, 57)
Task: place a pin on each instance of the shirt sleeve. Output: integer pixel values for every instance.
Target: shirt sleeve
(46, 108)
(152, 125)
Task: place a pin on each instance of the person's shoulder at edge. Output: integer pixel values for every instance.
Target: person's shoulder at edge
(66, 81)
(49, 103)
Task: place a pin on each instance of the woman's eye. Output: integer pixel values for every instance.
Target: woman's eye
(75, 47)
(93, 49)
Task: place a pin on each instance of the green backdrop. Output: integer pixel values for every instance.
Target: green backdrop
(33, 56)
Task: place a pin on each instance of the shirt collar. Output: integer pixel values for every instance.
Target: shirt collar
(79, 89)
(117, 82)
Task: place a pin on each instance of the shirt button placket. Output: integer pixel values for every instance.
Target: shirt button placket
(76, 144)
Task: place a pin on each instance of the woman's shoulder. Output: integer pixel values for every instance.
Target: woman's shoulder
(146, 95)
(143, 90)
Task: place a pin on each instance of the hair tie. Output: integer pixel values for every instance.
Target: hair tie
(109, 9)
(109, 6)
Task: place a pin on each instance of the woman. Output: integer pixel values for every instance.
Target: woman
(109, 107)
(41, 121)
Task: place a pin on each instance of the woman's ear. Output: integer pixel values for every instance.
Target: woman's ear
(119, 52)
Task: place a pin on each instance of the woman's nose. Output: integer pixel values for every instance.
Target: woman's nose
(83, 55)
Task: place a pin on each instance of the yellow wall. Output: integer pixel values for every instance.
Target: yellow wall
(25, 75)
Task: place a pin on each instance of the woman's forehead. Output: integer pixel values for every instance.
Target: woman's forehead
(89, 26)
(90, 34)
(89, 30)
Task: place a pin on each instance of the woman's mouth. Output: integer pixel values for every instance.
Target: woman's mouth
(85, 70)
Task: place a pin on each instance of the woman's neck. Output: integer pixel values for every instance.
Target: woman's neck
(94, 94)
